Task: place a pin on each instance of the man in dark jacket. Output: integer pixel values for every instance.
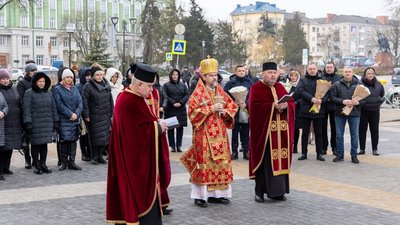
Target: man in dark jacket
(242, 116)
(329, 74)
(306, 89)
(186, 75)
(22, 86)
(341, 94)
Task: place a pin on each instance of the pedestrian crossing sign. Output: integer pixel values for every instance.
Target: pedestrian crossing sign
(179, 47)
(168, 56)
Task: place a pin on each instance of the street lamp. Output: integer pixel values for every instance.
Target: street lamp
(114, 21)
(70, 30)
(203, 43)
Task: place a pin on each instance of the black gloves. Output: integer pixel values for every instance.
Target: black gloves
(55, 126)
(28, 127)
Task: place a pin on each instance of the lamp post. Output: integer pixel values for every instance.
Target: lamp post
(203, 43)
(70, 30)
(114, 21)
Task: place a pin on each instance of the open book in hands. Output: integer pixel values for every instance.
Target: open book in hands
(285, 98)
(171, 122)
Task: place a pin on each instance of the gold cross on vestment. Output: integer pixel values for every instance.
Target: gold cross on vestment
(192, 159)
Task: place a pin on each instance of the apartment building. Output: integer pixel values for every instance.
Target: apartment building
(40, 31)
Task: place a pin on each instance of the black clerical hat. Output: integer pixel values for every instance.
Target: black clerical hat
(269, 66)
(145, 72)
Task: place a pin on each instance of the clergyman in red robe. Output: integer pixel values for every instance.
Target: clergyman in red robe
(208, 161)
(137, 170)
(271, 136)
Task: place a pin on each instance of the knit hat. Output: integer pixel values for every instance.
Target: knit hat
(95, 69)
(4, 74)
(67, 73)
(29, 67)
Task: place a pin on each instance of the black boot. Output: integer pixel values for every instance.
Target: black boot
(59, 154)
(62, 148)
(45, 169)
(28, 162)
(72, 155)
(94, 155)
(100, 158)
(38, 169)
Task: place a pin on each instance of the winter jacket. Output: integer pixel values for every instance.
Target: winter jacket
(375, 99)
(40, 112)
(333, 78)
(82, 78)
(175, 92)
(13, 120)
(24, 85)
(306, 90)
(4, 109)
(236, 81)
(186, 75)
(341, 91)
(98, 106)
(117, 87)
(68, 102)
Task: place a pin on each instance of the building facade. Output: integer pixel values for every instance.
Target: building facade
(39, 31)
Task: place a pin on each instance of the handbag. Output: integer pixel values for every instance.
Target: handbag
(82, 127)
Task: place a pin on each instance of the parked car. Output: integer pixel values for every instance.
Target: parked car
(225, 76)
(17, 74)
(392, 96)
(396, 77)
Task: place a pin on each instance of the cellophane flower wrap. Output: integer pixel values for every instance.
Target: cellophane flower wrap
(323, 87)
(359, 94)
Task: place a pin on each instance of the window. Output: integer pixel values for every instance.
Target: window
(3, 40)
(25, 58)
(78, 5)
(53, 41)
(52, 23)
(91, 5)
(127, 10)
(25, 40)
(66, 42)
(65, 5)
(313, 29)
(24, 21)
(2, 22)
(138, 9)
(39, 42)
(103, 6)
(52, 58)
(115, 8)
(52, 4)
(39, 60)
(39, 22)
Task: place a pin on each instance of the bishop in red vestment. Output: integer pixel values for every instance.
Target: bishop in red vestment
(137, 169)
(211, 111)
(271, 136)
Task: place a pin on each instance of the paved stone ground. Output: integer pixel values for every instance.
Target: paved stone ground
(321, 192)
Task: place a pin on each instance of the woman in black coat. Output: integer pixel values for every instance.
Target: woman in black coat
(175, 95)
(98, 107)
(40, 119)
(13, 120)
(370, 111)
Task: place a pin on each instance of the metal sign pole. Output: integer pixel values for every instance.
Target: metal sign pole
(177, 61)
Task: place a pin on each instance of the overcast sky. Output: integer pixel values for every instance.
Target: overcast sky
(220, 9)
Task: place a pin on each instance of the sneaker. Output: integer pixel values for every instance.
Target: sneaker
(355, 160)
(337, 159)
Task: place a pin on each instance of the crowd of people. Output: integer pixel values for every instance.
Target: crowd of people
(125, 120)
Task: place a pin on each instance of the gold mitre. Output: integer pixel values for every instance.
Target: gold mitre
(209, 65)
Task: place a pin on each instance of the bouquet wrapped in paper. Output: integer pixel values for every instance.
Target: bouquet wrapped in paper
(323, 87)
(240, 93)
(359, 94)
